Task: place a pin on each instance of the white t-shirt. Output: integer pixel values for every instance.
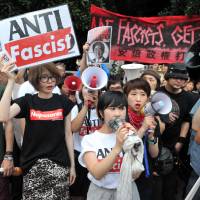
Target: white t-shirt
(102, 144)
(26, 87)
(94, 121)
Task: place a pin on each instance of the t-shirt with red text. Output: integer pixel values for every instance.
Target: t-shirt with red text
(94, 124)
(102, 145)
(44, 135)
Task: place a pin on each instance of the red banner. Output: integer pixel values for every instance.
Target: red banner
(148, 39)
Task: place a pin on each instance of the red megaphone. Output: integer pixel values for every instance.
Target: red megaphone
(73, 83)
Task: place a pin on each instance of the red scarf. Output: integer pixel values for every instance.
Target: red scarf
(135, 119)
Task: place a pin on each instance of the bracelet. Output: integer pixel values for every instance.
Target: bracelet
(181, 140)
(153, 141)
(8, 157)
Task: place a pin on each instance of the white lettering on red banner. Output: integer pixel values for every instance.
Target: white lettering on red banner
(40, 47)
(46, 115)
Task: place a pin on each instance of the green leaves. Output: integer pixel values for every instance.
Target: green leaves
(182, 7)
(79, 9)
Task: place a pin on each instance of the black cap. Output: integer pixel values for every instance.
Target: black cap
(177, 70)
(192, 60)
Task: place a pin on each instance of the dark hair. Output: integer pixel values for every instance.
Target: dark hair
(100, 44)
(36, 72)
(111, 98)
(137, 83)
(113, 82)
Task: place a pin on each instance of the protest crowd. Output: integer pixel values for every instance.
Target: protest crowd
(103, 132)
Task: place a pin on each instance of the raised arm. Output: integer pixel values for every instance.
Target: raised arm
(6, 98)
(83, 61)
(77, 122)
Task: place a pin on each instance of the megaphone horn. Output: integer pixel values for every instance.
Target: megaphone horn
(160, 104)
(73, 83)
(94, 78)
(132, 71)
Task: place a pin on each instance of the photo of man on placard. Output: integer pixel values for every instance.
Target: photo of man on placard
(99, 52)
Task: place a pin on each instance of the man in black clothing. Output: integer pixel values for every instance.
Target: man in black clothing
(177, 127)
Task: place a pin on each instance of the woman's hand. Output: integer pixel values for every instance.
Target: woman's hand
(90, 98)
(130, 127)
(6, 68)
(72, 175)
(149, 123)
(121, 135)
(8, 167)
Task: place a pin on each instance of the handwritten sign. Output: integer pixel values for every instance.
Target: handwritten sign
(148, 40)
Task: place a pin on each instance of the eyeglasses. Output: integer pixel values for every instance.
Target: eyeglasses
(46, 78)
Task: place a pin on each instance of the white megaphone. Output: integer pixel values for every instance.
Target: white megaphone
(160, 103)
(94, 78)
(132, 71)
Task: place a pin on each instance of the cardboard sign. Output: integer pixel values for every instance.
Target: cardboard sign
(39, 37)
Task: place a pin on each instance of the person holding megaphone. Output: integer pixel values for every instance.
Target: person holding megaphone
(138, 92)
(85, 121)
(102, 152)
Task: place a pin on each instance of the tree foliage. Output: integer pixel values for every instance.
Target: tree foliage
(182, 7)
(79, 9)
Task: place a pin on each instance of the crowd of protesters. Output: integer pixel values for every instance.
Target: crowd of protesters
(66, 148)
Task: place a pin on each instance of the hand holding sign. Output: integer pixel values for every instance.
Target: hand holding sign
(7, 67)
(5, 59)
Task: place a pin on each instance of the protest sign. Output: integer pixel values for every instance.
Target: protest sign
(39, 37)
(99, 39)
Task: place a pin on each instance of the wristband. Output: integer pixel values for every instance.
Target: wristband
(9, 153)
(181, 140)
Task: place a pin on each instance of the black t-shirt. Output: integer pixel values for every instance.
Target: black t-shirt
(185, 100)
(44, 135)
(2, 136)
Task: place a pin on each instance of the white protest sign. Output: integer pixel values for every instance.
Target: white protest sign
(39, 37)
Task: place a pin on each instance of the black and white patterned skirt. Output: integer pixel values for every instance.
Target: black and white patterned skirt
(46, 180)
